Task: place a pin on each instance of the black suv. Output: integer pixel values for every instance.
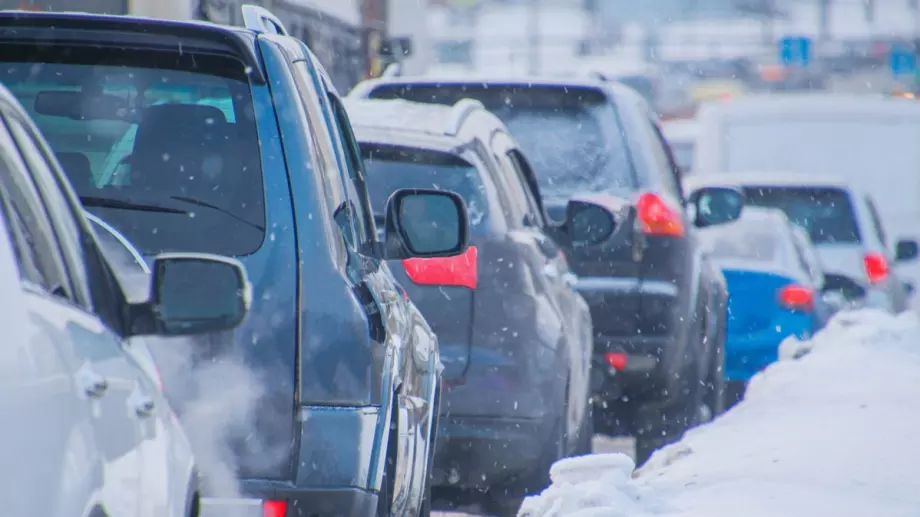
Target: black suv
(515, 337)
(656, 302)
(187, 136)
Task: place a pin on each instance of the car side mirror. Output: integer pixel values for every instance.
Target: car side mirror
(588, 223)
(176, 306)
(425, 223)
(906, 250)
(909, 287)
(716, 205)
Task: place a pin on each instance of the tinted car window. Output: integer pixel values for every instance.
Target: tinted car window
(825, 213)
(393, 168)
(164, 150)
(571, 135)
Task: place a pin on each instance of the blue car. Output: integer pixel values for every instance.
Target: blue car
(774, 281)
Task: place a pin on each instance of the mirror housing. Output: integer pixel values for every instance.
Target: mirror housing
(425, 223)
(192, 293)
(909, 287)
(716, 205)
(906, 250)
(588, 223)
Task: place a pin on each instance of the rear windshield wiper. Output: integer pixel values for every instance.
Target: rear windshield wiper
(198, 202)
(105, 202)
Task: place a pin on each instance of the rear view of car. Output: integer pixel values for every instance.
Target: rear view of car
(842, 222)
(771, 294)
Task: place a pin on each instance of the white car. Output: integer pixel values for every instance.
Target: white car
(869, 141)
(841, 221)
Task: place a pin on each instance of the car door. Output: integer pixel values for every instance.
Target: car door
(105, 373)
(49, 461)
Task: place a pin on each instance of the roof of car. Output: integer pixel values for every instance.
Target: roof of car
(766, 178)
(363, 88)
(398, 114)
(815, 103)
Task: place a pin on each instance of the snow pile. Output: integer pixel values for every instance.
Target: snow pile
(830, 429)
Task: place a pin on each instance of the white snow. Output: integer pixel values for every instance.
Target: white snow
(830, 429)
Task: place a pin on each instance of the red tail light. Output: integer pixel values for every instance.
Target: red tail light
(274, 508)
(876, 267)
(657, 217)
(460, 270)
(616, 360)
(797, 298)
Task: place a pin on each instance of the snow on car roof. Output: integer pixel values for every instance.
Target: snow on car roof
(764, 178)
(399, 115)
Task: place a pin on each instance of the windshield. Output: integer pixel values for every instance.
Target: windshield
(845, 147)
(825, 213)
(743, 241)
(169, 157)
(391, 168)
(571, 135)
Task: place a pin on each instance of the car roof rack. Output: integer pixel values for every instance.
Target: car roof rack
(459, 111)
(261, 21)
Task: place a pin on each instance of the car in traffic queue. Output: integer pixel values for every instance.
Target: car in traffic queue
(775, 289)
(196, 137)
(94, 434)
(657, 304)
(515, 338)
(843, 223)
(865, 140)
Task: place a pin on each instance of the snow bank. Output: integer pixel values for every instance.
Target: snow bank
(833, 428)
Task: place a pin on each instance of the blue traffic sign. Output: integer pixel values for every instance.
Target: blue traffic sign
(795, 50)
(902, 61)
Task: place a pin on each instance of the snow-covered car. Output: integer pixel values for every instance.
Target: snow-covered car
(843, 223)
(774, 289)
(870, 141)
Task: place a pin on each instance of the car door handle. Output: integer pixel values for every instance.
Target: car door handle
(550, 271)
(94, 385)
(144, 407)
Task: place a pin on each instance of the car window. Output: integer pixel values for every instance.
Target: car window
(355, 185)
(390, 168)
(809, 255)
(180, 137)
(825, 213)
(534, 206)
(668, 170)
(513, 180)
(571, 135)
(28, 216)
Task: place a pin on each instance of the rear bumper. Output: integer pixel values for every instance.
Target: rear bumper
(747, 354)
(480, 452)
(644, 377)
(325, 502)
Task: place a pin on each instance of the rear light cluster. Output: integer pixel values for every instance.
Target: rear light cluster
(460, 270)
(274, 508)
(876, 266)
(797, 298)
(658, 217)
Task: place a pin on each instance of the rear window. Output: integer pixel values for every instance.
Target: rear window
(825, 213)
(570, 135)
(742, 241)
(162, 147)
(390, 168)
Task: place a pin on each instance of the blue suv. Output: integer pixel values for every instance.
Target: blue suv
(195, 137)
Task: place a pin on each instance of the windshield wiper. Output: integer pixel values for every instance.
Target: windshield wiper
(105, 202)
(198, 202)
